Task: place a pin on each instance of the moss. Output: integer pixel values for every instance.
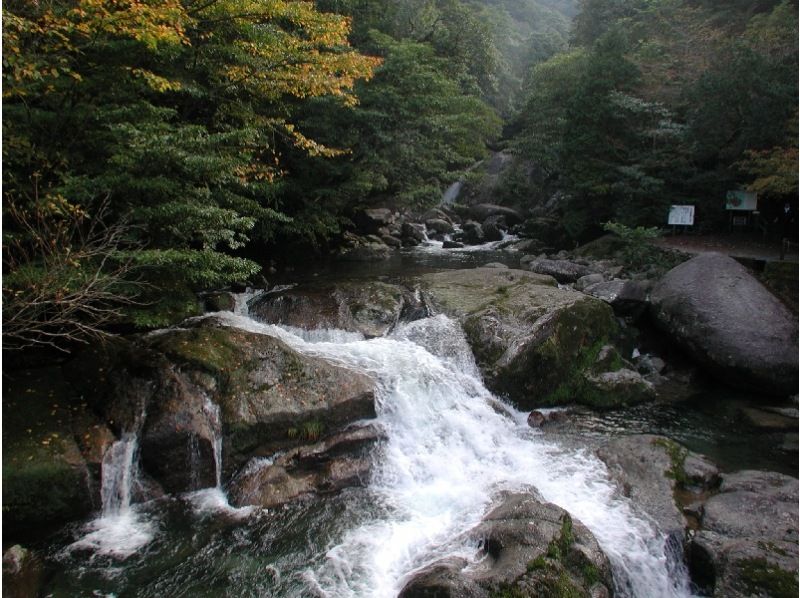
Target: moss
(781, 279)
(769, 546)
(677, 456)
(760, 576)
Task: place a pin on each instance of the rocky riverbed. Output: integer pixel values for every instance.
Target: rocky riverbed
(313, 405)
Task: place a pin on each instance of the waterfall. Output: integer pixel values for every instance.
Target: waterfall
(449, 452)
(451, 194)
(120, 530)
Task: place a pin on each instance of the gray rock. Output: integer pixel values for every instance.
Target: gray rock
(413, 232)
(641, 466)
(368, 307)
(620, 388)
(495, 265)
(392, 241)
(526, 334)
(589, 279)
(536, 548)
(726, 319)
(626, 297)
(368, 252)
(23, 573)
(748, 542)
(481, 212)
(439, 225)
(473, 233)
(222, 301)
(447, 244)
(338, 462)
(562, 270)
(491, 232)
(370, 220)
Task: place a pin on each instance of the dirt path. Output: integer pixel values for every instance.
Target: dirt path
(737, 245)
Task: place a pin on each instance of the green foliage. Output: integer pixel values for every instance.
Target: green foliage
(637, 250)
(677, 456)
(309, 431)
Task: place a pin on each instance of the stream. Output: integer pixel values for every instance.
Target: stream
(451, 448)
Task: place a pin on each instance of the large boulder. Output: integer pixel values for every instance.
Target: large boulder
(482, 211)
(747, 545)
(626, 297)
(264, 390)
(529, 337)
(726, 319)
(472, 233)
(530, 549)
(371, 220)
(368, 307)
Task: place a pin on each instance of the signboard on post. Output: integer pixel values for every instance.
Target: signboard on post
(741, 200)
(681, 216)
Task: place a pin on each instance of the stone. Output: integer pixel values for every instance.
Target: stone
(23, 573)
(372, 219)
(338, 462)
(495, 265)
(562, 270)
(721, 315)
(528, 336)
(413, 233)
(643, 468)
(439, 225)
(271, 390)
(528, 546)
(626, 297)
(368, 307)
(491, 232)
(473, 233)
(482, 211)
(222, 301)
(392, 241)
(367, 252)
(748, 542)
(619, 388)
(447, 244)
(589, 279)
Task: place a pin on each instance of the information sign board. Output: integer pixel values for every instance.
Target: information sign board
(681, 216)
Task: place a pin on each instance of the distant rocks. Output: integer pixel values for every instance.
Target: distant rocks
(727, 320)
(563, 271)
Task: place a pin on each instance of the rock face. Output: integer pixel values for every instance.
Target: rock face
(531, 548)
(725, 318)
(264, 390)
(339, 461)
(370, 308)
(529, 337)
(748, 542)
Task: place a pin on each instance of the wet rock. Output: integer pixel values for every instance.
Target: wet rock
(412, 234)
(22, 573)
(531, 548)
(761, 418)
(370, 220)
(646, 469)
(337, 462)
(368, 307)
(626, 297)
(447, 244)
(264, 389)
(748, 542)
(540, 419)
(619, 388)
(443, 579)
(491, 232)
(367, 252)
(439, 225)
(562, 270)
(482, 211)
(588, 280)
(707, 306)
(528, 336)
(222, 301)
(392, 241)
(473, 233)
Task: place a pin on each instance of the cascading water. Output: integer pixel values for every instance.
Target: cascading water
(448, 454)
(119, 531)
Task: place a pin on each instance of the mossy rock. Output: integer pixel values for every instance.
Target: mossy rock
(45, 478)
(528, 335)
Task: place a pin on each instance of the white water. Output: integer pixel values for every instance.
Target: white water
(119, 531)
(451, 193)
(448, 454)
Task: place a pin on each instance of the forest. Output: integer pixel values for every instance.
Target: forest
(155, 148)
